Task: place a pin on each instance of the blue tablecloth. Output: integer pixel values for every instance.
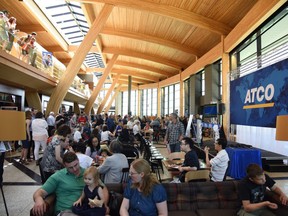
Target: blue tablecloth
(240, 158)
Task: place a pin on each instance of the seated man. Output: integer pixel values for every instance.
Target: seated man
(67, 184)
(252, 193)
(191, 161)
(219, 163)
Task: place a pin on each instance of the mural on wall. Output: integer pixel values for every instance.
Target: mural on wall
(258, 98)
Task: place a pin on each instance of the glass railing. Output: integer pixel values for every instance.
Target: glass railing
(45, 62)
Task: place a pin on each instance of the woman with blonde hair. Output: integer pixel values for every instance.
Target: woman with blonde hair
(143, 195)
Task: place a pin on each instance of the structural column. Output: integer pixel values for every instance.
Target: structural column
(226, 93)
(129, 95)
(33, 100)
(100, 83)
(104, 101)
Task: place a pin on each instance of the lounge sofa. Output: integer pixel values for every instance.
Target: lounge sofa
(202, 198)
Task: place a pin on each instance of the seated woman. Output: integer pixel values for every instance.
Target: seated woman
(54, 152)
(124, 136)
(105, 135)
(118, 129)
(143, 195)
(93, 147)
(113, 165)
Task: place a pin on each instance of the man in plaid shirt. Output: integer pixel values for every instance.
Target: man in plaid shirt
(174, 134)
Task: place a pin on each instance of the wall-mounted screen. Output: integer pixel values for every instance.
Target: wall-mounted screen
(210, 110)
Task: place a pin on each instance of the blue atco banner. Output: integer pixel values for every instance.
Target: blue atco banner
(257, 98)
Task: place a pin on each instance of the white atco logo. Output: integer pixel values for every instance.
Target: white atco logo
(259, 93)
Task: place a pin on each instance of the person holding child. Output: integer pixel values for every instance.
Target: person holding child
(91, 201)
(252, 193)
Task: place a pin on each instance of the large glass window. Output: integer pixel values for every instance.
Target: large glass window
(166, 100)
(171, 99)
(154, 102)
(177, 99)
(149, 102)
(133, 104)
(266, 46)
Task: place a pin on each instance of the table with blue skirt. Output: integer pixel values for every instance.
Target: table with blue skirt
(240, 158)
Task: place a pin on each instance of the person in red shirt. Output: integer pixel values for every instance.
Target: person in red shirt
(82, 119)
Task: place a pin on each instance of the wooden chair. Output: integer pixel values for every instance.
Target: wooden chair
(176, 156)
(198, 175)
(125, 175)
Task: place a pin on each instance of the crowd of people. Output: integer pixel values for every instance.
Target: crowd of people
(66, 157)
(26, 43)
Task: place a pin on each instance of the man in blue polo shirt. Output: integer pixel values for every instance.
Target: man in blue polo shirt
(67, 184)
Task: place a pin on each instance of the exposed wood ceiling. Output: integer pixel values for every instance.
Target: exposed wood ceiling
(155, 39)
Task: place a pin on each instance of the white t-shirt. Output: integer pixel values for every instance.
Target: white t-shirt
(84, 160)
(136, 129)
(77, 136)
(219, 165)
(130, 124)
(105, 135)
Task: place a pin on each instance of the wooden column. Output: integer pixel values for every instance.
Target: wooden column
(100, 83)
(113, 98)
(76, 62)
(33, 100)
(226, 91)
(104, 101)
(77, 108)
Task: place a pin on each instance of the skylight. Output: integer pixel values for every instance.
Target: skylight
(69, 20)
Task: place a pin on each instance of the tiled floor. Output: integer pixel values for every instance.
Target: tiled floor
(20, 182)
(18, 187)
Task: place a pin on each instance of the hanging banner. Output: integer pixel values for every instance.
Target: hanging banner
(47, 59)
(257, 98)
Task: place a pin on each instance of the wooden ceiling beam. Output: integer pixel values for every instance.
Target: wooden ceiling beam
(169, 11)
(135, 80)
(92, 70)
(73, 48)
(31, 28)
(55, 49)
(151, 39)
(126, 83)
(148, 57)
(144, 67)
(90, 17)
(132, 73)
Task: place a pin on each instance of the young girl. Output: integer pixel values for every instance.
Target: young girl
(91, 200)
